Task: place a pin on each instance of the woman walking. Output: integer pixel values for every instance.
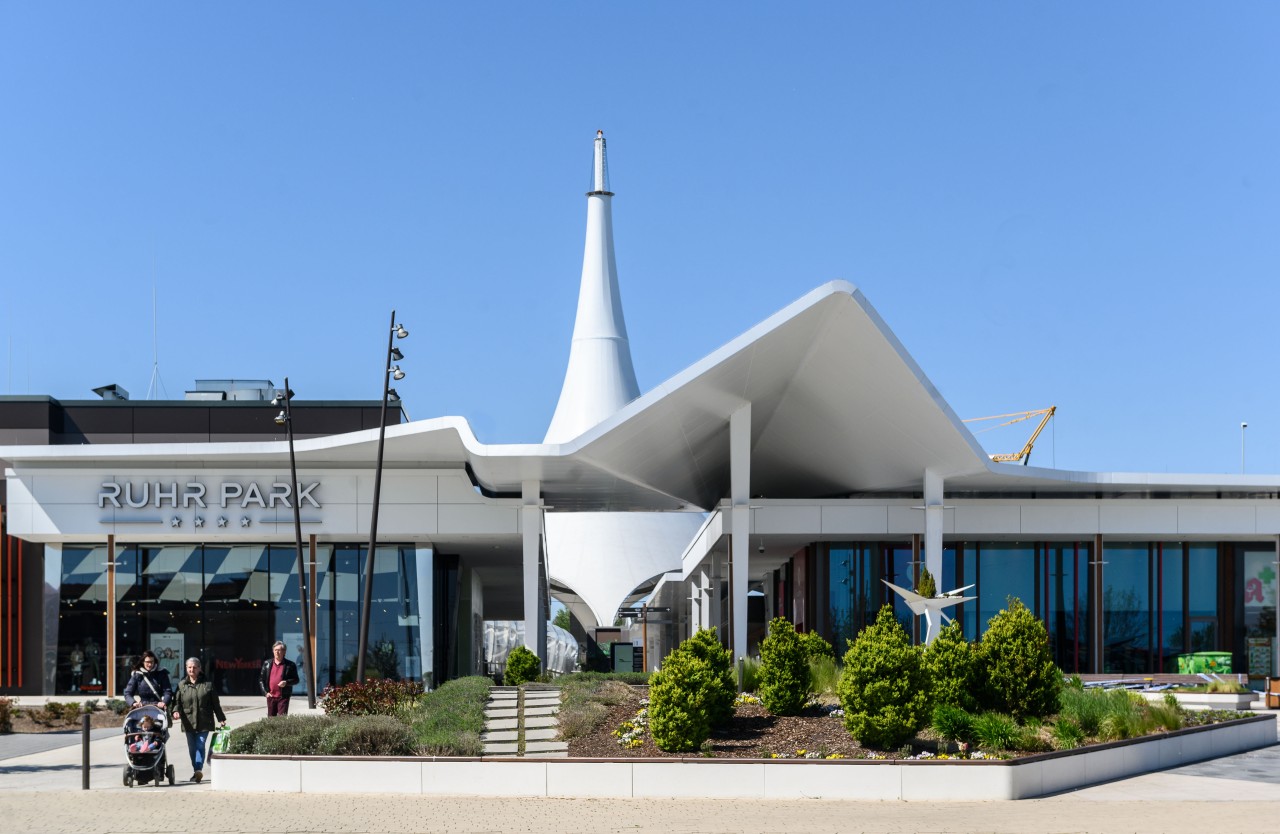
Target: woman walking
(149, 683)
(197, 705)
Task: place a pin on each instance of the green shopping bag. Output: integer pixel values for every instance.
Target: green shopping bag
(221, 741)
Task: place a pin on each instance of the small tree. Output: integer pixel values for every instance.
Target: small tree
(522, 666)
(561, 619)
(884, 688)
(679, 718)
(784, 669)
(721, 684)
(1017, 666)
(925, 586)
(952, 664)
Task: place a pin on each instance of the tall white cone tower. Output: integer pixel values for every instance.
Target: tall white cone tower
(600, 378)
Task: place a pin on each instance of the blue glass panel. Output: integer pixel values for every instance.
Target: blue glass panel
(1006, 570)
(1126, 608)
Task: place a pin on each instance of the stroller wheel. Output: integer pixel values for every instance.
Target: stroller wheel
(170, 773)
(128, 779)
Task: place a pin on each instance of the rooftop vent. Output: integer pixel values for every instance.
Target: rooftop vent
(252, 390)
(112, 392)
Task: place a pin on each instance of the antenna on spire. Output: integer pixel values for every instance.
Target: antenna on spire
(157, 384)
(599, 169)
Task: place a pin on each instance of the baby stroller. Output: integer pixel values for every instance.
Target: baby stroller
(144, 746)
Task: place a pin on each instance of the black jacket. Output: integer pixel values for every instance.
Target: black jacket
(160, 689)
(286, 685)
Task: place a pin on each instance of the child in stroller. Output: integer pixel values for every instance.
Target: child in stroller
(145, 735)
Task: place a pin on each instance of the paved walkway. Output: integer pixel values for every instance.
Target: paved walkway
(522, 721)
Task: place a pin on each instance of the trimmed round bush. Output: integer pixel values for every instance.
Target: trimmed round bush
(679, 715)
(816, 646)
(952, 663)
(522, 666)
(1017, 665)
(784, 669)
(884, 688)
(721, 685)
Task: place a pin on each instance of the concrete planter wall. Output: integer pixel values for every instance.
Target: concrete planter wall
(1205, 700)
(729, 778)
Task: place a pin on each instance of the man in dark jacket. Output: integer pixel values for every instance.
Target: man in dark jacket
(196, 704)
(279, 676)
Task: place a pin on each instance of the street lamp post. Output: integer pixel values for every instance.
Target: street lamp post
(1243, 426)
(285, 418)
(366, 601)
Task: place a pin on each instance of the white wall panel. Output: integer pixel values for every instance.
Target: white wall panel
(978, 520)
(1066, 518)
(858, 521)
(787, 519)
(1217, 519)
(479, 520)
(1140, 518)
(905, 521)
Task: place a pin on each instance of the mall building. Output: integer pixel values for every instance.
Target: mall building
(786, 474)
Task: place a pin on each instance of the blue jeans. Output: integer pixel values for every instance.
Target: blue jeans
(195, 746)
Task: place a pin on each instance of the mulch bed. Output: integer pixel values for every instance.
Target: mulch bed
(101, 719)
(752, 734)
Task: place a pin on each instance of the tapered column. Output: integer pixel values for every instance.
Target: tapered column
(933, 521)
(531, 533)
(740, 524)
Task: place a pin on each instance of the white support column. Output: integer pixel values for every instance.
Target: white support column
(740, 524)
(714, 615)
(531, 533)
(703, 593)
(933, 521)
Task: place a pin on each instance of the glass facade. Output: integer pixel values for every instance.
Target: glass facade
(227, 604)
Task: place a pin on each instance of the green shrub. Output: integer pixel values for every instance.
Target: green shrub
(824, 675)
(816, 646)
(449, 720)
(368, 735)
(522, 667)
(884, 688)
(784, 669)
(952, 723)
(925, 586)
(376, 696)
(323, 735)
(629, 678)
(722, 685)
(679, 712)
(995, 731)
(952, 663)
(6, 714)
(1067, 734)
(1017, 665)
(1084, 707)
(117, 705)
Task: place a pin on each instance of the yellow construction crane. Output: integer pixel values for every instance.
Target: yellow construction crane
(1018, 417)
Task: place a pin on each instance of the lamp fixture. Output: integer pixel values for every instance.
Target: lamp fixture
(392, 395)
(281, 418)
(396, 355)
(396, 373)
(401, 333)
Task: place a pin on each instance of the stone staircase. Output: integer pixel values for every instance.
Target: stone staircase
(522, 721)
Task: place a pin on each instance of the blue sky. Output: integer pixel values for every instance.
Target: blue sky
(1050, 204)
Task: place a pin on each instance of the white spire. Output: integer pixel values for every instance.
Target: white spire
(600, 378)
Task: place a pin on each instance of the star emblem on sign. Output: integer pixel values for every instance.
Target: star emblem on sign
(222, 521)
(199, 521)
(244, 521)
(176, 522)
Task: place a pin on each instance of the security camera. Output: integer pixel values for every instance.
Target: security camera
(760, 549)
